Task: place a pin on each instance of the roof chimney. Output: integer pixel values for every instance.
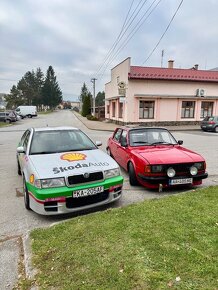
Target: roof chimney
(170, 63)
(196, 66)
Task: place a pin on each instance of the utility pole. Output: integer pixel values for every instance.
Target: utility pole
(162, 55)
(93, 81)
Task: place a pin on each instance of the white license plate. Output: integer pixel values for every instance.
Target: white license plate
(180, 181)
(88, 191)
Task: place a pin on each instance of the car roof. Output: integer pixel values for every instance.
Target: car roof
(62, 128)
(134, 127)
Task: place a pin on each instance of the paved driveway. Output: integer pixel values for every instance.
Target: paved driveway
(15, 221)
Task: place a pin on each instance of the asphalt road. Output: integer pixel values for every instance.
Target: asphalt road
(15, 221)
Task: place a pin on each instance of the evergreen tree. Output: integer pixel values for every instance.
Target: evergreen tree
(51, 93)
(26, 86)
(14, 99)
(86, 108)
(100, 99)
(84, 93)
(39, 81)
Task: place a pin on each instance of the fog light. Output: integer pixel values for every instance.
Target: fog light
(193, 170)
(171, 172)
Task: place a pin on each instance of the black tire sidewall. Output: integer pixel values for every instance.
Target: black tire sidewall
(132, 176)
(26, 195)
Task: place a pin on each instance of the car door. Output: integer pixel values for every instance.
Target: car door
(24, 143)
(115, 143)
(122, 150)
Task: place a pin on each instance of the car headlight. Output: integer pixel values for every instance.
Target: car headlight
(156, 168)
(193, 170)
(171, 172)
(50, 183)
(199, 165)
(111, 173)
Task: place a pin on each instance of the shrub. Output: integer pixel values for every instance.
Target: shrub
(92, 118)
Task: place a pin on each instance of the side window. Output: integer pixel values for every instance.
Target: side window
(123, 138)
(26, 139)
(117, 135)
(23, 138)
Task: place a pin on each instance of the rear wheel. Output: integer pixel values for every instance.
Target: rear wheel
(216, 129)
(132, 176)
(26, 195)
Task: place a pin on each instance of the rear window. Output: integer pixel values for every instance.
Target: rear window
(208, 118)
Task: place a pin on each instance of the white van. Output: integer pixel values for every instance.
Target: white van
(26, 111)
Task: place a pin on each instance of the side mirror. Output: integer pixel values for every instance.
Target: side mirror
(180, 142)
(20, 149)
(98, 143)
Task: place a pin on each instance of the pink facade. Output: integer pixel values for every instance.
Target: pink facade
(169, 95)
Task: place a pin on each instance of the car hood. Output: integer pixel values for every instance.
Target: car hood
(71, 163)
(169, 155)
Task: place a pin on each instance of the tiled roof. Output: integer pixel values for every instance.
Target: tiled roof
(138, 72)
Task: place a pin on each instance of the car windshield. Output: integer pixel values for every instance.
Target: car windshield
(144, 136)
(54, 141)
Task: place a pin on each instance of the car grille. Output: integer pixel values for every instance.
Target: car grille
(86, 200)
(93, 176)
(180, 168)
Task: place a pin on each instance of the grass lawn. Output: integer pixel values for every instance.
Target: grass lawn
(168, 243)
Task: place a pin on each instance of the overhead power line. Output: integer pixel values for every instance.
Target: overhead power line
(141, 21)
(168, 26)
(118, 37)
(126, 25)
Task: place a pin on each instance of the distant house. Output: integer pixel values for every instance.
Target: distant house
(151, 95)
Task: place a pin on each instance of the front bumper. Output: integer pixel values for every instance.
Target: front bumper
(54, 201)
(166, 180)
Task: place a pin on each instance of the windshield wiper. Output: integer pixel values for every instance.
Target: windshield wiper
(140, 142)
(161, 142)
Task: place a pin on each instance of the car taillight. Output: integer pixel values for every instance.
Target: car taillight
(211, 122)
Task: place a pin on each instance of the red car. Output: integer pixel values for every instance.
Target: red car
(154, 159)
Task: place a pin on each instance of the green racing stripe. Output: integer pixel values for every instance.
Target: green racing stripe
(65, 191)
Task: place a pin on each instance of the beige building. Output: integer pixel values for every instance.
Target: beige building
(160, 95)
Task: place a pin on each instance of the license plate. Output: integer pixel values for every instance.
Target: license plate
(180, 181)
(88, 191)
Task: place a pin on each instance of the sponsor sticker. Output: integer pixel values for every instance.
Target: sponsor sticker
(73, 156)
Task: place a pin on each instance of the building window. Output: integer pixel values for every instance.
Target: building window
(206, 109)
(146, 109)
(108, 109)
(188, 109)
(118, 80)
(113, 109)
(120, 110)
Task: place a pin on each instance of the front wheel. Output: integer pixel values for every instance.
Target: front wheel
(26, 195)
(132, 176)
(18, 168)
(216, 129)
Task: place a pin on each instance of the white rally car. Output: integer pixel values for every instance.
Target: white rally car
(64, 171)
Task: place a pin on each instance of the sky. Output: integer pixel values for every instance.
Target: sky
(85, 39)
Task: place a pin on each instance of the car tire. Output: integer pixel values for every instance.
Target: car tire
(26, 195)
(132, 176)
(29, 116)
(18, 168)
(216, 129)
